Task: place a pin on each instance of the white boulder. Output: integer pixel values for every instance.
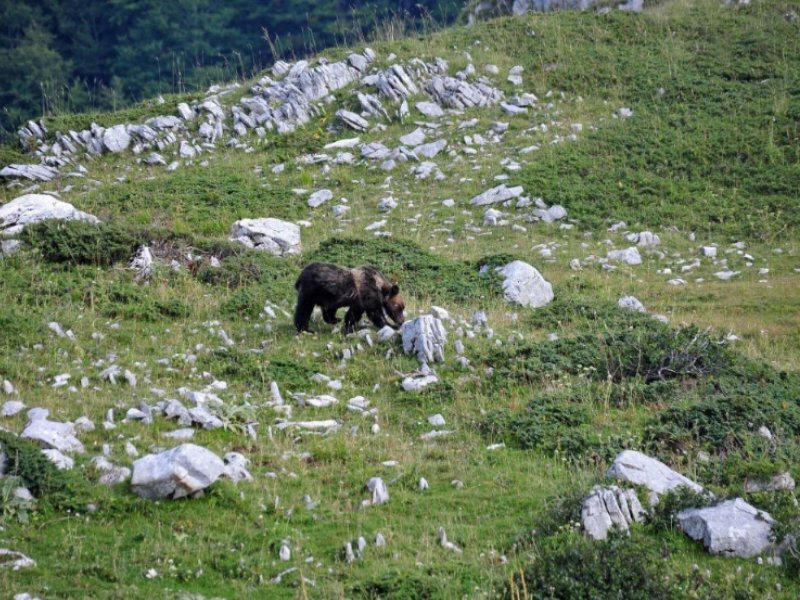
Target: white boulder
(639, 469)
(182, 471)
(524, 285)
(280, 238)
(60, 436)
(32, 208)
(629, 256)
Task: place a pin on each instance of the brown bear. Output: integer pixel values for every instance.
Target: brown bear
(362, 289)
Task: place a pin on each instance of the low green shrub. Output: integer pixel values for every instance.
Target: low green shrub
(631, 347)
(570, 566)
(724, 413)
(56, 488)
(128, 300)
(82, 243)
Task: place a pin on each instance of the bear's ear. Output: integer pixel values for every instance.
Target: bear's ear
(394, 290)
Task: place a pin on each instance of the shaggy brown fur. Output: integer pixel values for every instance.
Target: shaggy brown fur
(363, 290)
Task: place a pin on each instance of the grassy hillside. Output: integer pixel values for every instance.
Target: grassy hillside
(710, 156)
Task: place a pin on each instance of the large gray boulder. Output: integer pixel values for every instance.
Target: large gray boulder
(52, 434)
(278, 237)
(731, 528)
(32, 208)
(116, 138)
(524, 285)
(182, 471)
(639, 469)
(424, 336)
(610, 507)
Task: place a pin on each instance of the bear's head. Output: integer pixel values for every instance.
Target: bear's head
(393, 304)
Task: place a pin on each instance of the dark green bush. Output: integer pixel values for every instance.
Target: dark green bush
(131, 301)
(547, 423)
(724, 413)
(662, 515)
(24, 459)
(393, 584)
(82, 243)
(632, 347)
(570, 566)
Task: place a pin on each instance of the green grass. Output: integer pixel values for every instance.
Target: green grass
(712, 159)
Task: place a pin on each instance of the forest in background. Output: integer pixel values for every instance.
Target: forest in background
(94, 55)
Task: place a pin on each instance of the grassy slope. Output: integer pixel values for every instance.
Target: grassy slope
(716, 153)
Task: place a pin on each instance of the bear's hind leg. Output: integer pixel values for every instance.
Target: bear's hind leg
(351, 319)
(302, 313)
(329, 316)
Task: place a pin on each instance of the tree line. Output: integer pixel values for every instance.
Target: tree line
(96, 55)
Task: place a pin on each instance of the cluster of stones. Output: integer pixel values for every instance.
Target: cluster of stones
(730, 528)
(290, 98)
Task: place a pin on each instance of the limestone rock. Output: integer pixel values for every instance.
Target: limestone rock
(53, 434)
(9, 559)
(430, 109)
(639, 469)
(424, 336)
(352, 120)
(630, 256)
(278, 237)
(319, 197)
(32, 208)
(32, 172)
(116, 138)
(609, 507)
(731, 528)
(417, 383)
(182, 471)
(60, 460)
(380, 493)
(630, 303)
(500, 193)
(236, 467)
(524, 285)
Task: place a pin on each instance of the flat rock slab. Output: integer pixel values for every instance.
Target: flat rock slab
(639, 469)
(33, 208)
(500, 193)
(182, 471)
(280, 238)
(60, 436)
(524, 285)
(32, 172)
(731, 528)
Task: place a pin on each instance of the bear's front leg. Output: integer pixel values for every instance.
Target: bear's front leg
(377, 318)
(351, 319)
